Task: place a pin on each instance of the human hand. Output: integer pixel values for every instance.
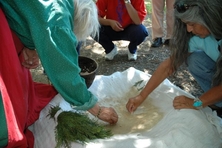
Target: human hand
(116, 25)
(31, 58)
(108, 114)
(183, 102)
(134, 103)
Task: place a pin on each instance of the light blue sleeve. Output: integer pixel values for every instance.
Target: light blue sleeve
(209, 45)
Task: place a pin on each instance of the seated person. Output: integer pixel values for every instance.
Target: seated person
(121, 20)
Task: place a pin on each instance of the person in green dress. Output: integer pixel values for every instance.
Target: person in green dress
(53, 29)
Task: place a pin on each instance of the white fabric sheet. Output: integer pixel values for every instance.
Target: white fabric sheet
(184, 128)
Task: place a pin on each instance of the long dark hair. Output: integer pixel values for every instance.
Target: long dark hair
(204, 12)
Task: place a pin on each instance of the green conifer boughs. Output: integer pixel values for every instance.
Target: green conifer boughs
(75, 127)
(53, 111)
(137, 85)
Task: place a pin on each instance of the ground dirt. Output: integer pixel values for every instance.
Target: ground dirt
(147, 61)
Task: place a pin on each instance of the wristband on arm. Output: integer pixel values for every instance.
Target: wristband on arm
(197, 103)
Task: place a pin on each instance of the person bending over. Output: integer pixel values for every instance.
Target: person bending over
(54, 29)
(197, 41)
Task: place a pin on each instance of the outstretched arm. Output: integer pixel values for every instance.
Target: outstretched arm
(161, 73)
(214, 95)
(107, 114)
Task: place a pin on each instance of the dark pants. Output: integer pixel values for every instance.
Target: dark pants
(135, 34)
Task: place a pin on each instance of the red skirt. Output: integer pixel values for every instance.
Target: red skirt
(22, 98)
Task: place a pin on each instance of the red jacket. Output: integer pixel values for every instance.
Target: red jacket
(116, 10)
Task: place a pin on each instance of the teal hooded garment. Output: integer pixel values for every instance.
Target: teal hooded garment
(47, 26)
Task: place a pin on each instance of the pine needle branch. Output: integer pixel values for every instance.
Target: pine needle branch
(75, 127)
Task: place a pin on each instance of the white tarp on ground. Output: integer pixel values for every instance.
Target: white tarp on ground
(184, 128)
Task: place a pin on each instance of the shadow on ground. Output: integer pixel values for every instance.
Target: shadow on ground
(147, 61)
